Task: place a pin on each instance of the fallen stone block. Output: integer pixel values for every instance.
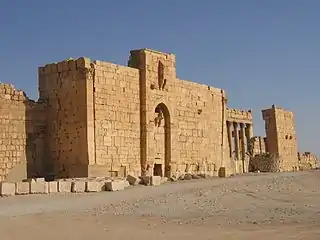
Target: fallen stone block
(64, 186)
(173, 179)
(52, 187)
(94, 186)
(195, 176)
(222, 172)
(115, 186)
(78, 186)
(164, 179)
(37, 187)
(133, 180)
(155, 180)
(7, 189)
(126, 183)
(145, 180)
(22, 188)
(187, 176)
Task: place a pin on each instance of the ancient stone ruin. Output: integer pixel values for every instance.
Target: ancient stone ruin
(99, 119)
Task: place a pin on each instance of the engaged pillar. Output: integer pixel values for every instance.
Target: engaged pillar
(242, 143)
(229, 132)
(236, 140)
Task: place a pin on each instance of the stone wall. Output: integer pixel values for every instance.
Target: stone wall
(21, 135)
(69, 110)
(281, 136)
(117, 120)
(307, 161)
(182, 124)
(264, 162)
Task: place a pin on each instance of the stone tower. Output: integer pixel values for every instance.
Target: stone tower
(281, 135)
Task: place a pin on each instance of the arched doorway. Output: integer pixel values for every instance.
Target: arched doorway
(162, 141)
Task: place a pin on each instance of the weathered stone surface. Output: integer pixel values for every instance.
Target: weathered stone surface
(103, 122)
(115, 186)
(78, 186)
(64, 186)
(22, 188)
(52, 187)
(37, 187)
(7, 189)
(155, 180)
(94, 186)
(133, 180)
(145, 180)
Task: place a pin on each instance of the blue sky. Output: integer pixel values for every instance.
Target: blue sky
(262, 52)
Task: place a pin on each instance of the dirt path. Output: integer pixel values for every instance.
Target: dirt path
(281, 206)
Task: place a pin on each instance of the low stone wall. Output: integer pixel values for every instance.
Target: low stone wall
(307, 161)
(265, 162)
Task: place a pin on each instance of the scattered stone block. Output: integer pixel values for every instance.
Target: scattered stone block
(133, 180)
(115, 186)
(195, 176)
(38, 187)
(22, 188)
(173, 179)
(64, 186)
(222, 172)
(94, 186)
(155, 180)
(164, 179)
(7, 189)
(145, 180)
(52, 187)
(187, 176)
(78, 186)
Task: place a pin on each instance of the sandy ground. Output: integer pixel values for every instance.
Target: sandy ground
(264, 206)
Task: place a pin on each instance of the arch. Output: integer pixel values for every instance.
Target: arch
(163, 114)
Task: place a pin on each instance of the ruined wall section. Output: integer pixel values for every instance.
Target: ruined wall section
(117, 120)
(281, 136)
(189, 135)
(63, 89)
(307, 161)
(20, 135)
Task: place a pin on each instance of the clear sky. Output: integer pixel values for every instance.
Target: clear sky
(262, 52)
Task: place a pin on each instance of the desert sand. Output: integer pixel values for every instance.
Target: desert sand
(254, 206)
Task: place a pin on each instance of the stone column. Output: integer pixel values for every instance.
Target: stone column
(243, 146)
(242, 143)
(229, 132)
(249, 132)
(236, 140)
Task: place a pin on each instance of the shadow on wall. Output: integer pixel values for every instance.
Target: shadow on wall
(22, 137)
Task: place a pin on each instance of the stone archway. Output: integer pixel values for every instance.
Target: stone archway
(162, 131)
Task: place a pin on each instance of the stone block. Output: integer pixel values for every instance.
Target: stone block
(52, 187)
(222, 172)
(94, 186)
(7, 189)
(164, 179)
(133, 180)
(22, 188)
(155, 180)
(64, 186)
(78, 186)
(37, 187)
(115, 186)
(145, 180)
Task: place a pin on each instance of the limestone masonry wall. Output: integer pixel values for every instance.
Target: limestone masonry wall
(20, 135)
(117, 120)
(307, 161)
(99, 119)
(63, 89)
(281, 135)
